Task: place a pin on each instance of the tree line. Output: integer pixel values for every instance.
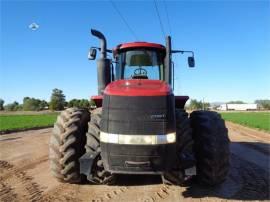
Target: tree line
(57, 102)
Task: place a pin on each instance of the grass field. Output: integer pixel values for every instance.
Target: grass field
(259, 120)
(19, 122)
(10, 122)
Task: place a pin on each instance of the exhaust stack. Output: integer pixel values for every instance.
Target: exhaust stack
(103, 43)
(168, 63)
(103, 63)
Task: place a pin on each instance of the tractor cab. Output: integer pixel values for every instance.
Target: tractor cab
(139, 60)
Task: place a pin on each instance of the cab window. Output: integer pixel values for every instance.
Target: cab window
(140, 64)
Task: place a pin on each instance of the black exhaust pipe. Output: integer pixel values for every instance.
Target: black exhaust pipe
(103, 43)
(168, 61)
(103, 63)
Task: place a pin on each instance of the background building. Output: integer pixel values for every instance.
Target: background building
(238, 107)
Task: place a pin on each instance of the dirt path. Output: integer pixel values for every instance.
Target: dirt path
(25, 175)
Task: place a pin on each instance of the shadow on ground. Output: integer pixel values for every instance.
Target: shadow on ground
(138, 180)
(247, 180)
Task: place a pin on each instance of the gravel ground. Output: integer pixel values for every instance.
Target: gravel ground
(25, 175)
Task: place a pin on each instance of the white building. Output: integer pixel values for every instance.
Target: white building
(238, 107)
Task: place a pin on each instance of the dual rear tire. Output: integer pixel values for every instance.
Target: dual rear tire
(67, 144)
(72, 136)
(205, 136)
(211, 147)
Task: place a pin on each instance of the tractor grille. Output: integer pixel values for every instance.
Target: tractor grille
(145, 115)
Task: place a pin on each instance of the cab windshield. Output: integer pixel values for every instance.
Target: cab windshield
(140, 64)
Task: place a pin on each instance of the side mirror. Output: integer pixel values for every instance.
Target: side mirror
(191, 61)
(92, 54)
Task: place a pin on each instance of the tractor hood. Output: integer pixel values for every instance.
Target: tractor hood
(138, 87)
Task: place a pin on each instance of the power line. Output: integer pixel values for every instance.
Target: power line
(124, 20)
(168, 19)
(159, 18)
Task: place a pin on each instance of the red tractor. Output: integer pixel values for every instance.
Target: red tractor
(139, 125)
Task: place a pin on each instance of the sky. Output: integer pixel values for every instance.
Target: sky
(231, 41)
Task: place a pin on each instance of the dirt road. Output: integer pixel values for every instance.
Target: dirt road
(25, 175)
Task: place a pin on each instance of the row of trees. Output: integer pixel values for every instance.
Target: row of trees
(57, 102)
(83, 103)
(11, 107)
(263, 104)
(195, 104)
(32, 104)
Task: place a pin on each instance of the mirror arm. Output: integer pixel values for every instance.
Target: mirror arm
(182, 52)
(108, 50)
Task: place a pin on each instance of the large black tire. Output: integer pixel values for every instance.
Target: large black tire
(211, 147)
(184, 147)
(67, 144)
(99, 174)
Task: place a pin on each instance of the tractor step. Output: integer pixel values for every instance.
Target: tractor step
(86, 163)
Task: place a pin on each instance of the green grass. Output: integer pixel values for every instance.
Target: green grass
(19, 122)
(258, 120)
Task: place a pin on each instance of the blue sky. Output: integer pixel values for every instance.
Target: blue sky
(231, 40)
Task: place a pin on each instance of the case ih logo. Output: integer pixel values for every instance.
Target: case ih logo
(158, 116)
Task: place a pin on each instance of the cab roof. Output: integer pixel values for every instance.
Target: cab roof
(140, 44)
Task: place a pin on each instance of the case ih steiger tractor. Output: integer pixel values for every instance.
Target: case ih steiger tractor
(139, 125)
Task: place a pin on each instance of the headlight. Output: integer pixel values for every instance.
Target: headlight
(137, 139)
(171, 137)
